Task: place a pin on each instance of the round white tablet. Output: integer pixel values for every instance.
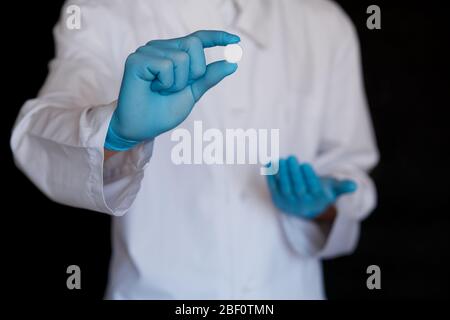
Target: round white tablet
(233, 53)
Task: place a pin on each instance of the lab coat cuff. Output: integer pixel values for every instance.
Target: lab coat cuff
(113, 184)
(311, 238)
(304, 236)
(123, 176)
(128, 162)
(314, 239)
(342, 234)
(101, 116)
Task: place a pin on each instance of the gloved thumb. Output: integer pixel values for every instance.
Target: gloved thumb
(215, 72)
(341, 187)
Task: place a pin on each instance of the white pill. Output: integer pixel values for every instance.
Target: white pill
(233, 53)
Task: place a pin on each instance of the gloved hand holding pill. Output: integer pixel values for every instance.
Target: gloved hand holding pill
(162, 82)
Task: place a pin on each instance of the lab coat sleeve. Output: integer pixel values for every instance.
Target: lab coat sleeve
(347, 151)
(58, 137)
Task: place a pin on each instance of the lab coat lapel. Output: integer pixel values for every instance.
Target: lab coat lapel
(207, 18)
(253, 19)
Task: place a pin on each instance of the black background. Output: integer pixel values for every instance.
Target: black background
(406, 77)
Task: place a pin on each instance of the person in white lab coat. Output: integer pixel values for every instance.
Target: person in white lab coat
(207, 231)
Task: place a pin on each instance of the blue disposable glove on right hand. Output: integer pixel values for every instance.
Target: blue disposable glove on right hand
(161, 83)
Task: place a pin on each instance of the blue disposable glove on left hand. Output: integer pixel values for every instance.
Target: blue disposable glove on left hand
(297, 190)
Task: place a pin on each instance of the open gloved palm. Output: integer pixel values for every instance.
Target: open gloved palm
(297, 190)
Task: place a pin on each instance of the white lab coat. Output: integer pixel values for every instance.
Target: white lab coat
(206, 231)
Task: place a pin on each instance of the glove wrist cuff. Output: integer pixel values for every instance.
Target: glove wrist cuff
(116, 143)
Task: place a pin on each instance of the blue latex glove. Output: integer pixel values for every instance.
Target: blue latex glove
(161, 83)
(297, 190)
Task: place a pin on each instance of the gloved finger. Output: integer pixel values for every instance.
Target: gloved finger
(298, 182)
(212, 38)
(151, 68)
(341, 187)
(180, 61)
(273, 184)
(215, 72)
(313, 184)
(284, 180)
(192, 46)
